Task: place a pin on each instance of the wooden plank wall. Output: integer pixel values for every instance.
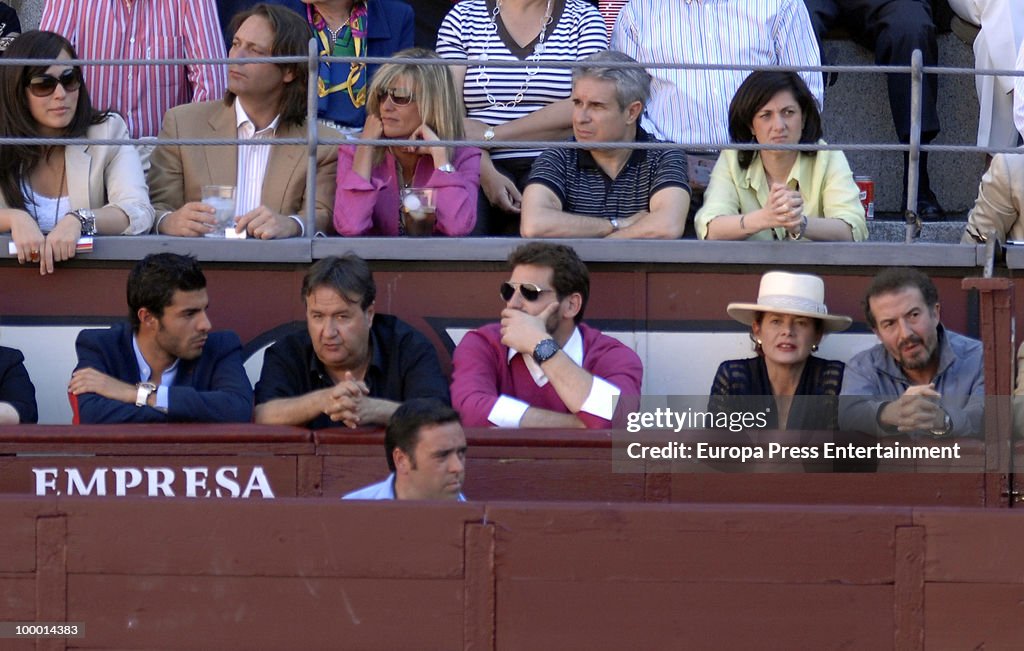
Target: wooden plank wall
(318, 574)
(501, 465)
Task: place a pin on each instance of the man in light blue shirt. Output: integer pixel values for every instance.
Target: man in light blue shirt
(426, 453)
(922, 378)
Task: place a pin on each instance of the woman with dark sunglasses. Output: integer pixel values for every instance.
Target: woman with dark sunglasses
(408, 102)
(52, 195)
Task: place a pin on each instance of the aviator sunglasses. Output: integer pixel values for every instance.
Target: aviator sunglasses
(45, 85)
(529, 291)
(399, 96)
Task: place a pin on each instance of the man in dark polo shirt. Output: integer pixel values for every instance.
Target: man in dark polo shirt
(350, 366)
(621, 193)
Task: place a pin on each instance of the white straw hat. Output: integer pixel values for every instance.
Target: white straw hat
(786, 293)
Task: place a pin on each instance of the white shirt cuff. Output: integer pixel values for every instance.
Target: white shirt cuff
(302, 226)
(601, 400)
(507, 412)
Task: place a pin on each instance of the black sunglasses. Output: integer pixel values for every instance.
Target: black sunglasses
(529, 291)
(45, 85)
(399, 96)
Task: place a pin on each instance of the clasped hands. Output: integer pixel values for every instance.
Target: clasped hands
(348, 402)
(785, 208)
(918, 409)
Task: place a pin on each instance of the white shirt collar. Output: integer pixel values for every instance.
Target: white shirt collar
(245, 126)
(573, 348)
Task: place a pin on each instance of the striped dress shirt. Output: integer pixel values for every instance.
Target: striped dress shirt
(252, 161)
(610, 10)
(143, 29)
(692, 106)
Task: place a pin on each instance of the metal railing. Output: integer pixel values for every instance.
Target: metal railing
(313, 138)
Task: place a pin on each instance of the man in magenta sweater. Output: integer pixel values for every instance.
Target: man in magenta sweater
(542, 367)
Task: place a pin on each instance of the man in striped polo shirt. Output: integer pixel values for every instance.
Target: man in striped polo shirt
(617, 192)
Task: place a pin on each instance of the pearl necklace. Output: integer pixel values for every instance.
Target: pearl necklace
(483, 79)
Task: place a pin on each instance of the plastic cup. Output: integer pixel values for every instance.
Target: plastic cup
(222, 199)
(419, 212)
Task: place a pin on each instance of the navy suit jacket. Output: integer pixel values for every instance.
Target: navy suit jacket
(211, 389)
(15, 385)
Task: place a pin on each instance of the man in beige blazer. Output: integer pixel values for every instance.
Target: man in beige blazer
(999, 208)
(1000, 203)
(264, 100)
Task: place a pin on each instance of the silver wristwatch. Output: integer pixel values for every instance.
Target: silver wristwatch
(87, 219)
(615, 224)
(947, 426)
(489, 133)
(143, 393)
(447, 168)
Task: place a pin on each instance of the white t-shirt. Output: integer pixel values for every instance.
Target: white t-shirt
(45, 210)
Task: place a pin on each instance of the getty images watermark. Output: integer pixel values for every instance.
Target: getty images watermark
(742, 434)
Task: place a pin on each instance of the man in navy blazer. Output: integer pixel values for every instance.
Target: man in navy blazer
(167, 366)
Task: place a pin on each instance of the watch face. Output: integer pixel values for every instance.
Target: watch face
(145, 389)
(545, 350)
(88, 220)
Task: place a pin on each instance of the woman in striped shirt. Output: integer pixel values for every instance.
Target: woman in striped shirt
(529, 102)
(51, 195)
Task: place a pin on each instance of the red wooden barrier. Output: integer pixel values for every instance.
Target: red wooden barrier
(262, 462)
(312, 574)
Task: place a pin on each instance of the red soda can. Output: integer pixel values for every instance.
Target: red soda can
(867, 195)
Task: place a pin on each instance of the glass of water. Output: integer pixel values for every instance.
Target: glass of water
(222, 199)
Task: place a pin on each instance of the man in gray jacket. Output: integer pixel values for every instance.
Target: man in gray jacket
(922, 378)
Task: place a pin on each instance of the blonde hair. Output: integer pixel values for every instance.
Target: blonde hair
(433, 88)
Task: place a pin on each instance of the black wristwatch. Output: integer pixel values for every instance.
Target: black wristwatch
(545, 350)
(87, 219)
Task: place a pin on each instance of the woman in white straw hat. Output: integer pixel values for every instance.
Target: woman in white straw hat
(786, 323)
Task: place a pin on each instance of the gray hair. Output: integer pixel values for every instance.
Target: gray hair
(632, 84)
